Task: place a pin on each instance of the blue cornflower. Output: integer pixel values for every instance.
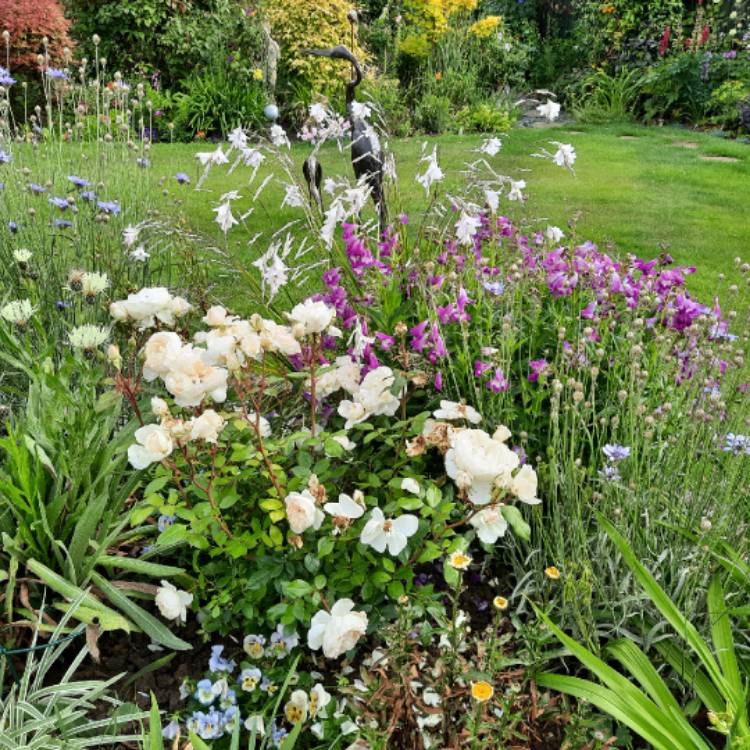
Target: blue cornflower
(56, 73)
(5, 157)
(494, 287)
(282, 642)
(109, 207)
(249, 679)
(79, 181)
(88, 195)
(143, 162)
(736, 444)
(5, 77)
(182, 178)
(610, 473)
(616, 452)
(36, 188)
(61, 203)
(146, 547)
(12, 226)
(217, 663)
(62, 224)
(165, 522)
(204, 692)
(62, 305)
(170, 731)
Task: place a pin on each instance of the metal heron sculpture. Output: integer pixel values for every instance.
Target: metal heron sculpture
(367, 158)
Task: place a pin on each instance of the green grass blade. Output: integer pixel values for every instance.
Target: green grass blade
(143, 567)
(695, 677)
(156, 741)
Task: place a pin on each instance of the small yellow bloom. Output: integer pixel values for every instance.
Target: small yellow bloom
(258, 74)
(500, 603)
(459, 560)
(552, 572)
(482, 691)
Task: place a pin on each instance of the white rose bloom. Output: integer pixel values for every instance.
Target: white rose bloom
(277, 338)
(160, 350)
(302, 512)
(374, 392)
(314, 317)
(207, 426)
(344, 374)
(347, 507)
(338, 631)
(353, 413)
(159, 407)
(344, 442)
(490, 524)
(217, 316)
(381, 532)
(179, 307)
(172, 602)
(524, 485)
(501, 434)
(118, 311)
(191, 378)
(154, 444)
(410, 485)
(453, 410)
(476, 458)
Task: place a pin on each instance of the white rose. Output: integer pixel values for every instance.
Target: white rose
(217, 316)
(154, 444)
(160, 350)
(207, 427)
(172, 602)
(338, 631)
(159, 407)
(148, 303)
(410, 485)
(454, 410)
(524, 485)
(475, 454)
(490, 524)
(118, 311)
(352, 412)
(302, 512)
(313, 317)
(179, 307)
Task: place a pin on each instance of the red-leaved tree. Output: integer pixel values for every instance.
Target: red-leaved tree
(28, 22)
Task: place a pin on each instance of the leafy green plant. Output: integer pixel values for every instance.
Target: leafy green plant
(44, 709)
(433, 113)
(651, 710)
(605, 98)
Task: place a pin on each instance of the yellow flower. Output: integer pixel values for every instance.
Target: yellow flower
(552, 572)
(459, 560)
(485, 26)
(258, 74)
(482, 691)
(500, 603)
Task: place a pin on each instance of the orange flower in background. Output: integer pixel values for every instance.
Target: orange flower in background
(608, 9)
(200, 134)
(438, 76)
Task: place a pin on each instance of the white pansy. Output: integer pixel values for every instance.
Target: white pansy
(207, 426)
(466, 228)
(475, 462)
(453, 410)
(433, 173)
(491, 146)
(549, 110)
(347, 507)
(381, 532)
(337, 631)
(302, 512)
(524, 485)
(319, 700)
(490, 524)
(172, 603)
(516, 190)
(312, 316)
(154, 443)
(410, 485)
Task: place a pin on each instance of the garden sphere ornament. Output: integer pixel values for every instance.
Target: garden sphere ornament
(367, 158)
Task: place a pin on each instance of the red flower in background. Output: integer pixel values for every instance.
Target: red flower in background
(664, 43)
(704, 35)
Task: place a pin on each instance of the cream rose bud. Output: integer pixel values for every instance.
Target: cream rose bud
(113, 356)
(179, 307)
(159, 407)
(207, 427)
(502, 434)
(154, 444)
(302, 512)
(524, 485)
(410, 485)
(314, 317)
(172, 602)
(337, 631)
(118, 311)
(161, 350)
(216, 316)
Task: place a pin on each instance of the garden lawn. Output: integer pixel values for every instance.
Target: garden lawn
(636, 190)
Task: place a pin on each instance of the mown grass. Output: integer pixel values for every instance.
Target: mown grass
(636, 190)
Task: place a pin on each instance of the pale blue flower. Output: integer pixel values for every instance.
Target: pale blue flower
(217, 663)
(88, 195)
(610, 473)
(616, 452)
(230, 719)
(253, 645)
(56, 73)
(283, 642)
(61, 203)
(79, 181)
(109, 207)
(182, 178)
(62, 224)
(165, 522)
(5, 157)
(170, 731)
(204, 692)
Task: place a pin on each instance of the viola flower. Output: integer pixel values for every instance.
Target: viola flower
(380, 532)
(282, 642)
(249, 679)
(204, 692)
(165, 522)
(217, 663)
(253, 645)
